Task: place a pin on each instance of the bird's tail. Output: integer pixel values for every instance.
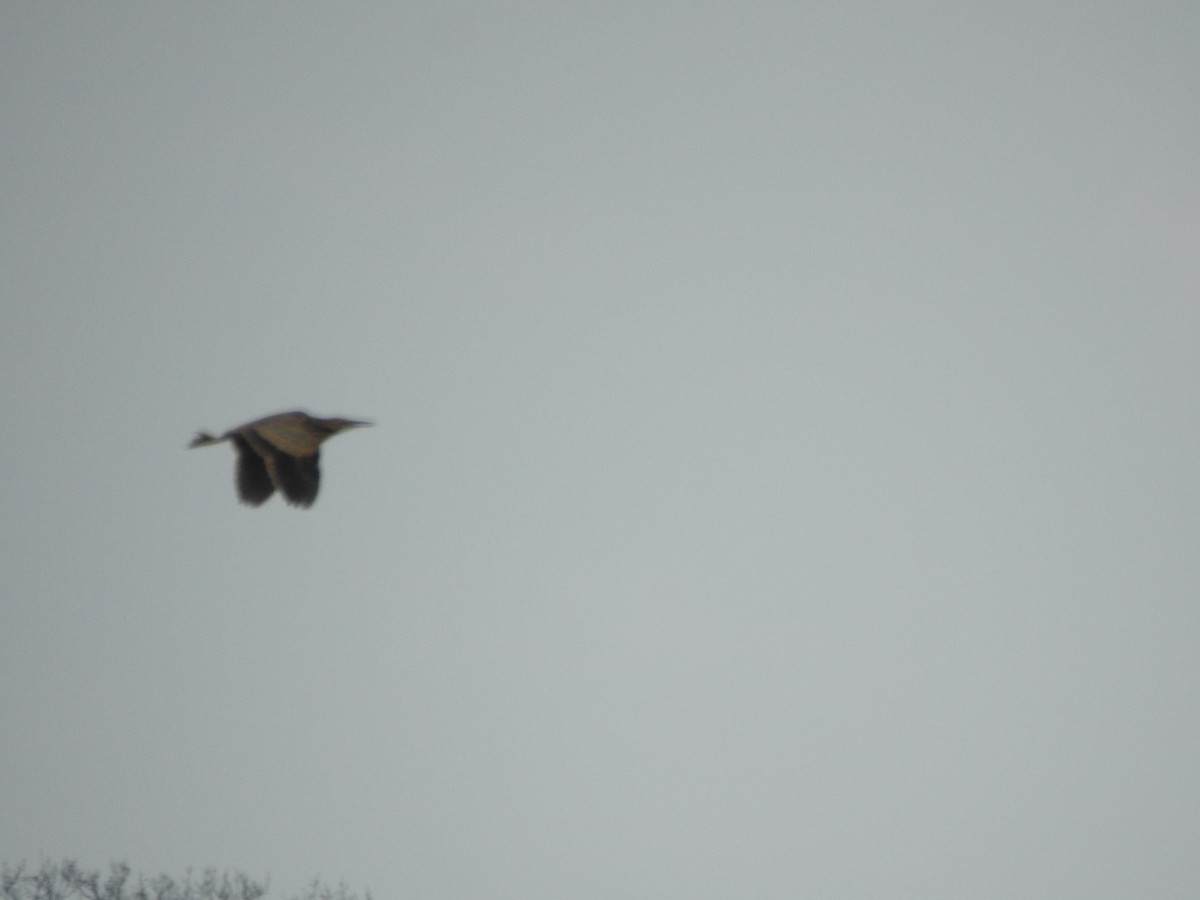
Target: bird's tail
(203, 439)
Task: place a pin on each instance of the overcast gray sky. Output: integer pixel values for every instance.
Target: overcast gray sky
(785, 479)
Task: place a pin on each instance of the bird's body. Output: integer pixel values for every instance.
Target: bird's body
(279, 452)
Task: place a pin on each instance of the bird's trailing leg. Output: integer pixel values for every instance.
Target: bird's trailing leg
(203, 439)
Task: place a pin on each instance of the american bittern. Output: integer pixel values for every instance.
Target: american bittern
(280, 451)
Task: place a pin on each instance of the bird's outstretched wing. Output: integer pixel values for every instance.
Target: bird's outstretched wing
(254, 484)
(297, 477)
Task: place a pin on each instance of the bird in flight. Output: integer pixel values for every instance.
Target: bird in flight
(279, 452)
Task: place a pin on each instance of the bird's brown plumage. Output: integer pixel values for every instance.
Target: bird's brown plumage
(279, 452)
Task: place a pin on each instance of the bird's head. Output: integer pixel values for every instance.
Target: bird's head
(333, 426)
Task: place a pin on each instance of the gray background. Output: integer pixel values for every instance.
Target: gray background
(784, 482)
